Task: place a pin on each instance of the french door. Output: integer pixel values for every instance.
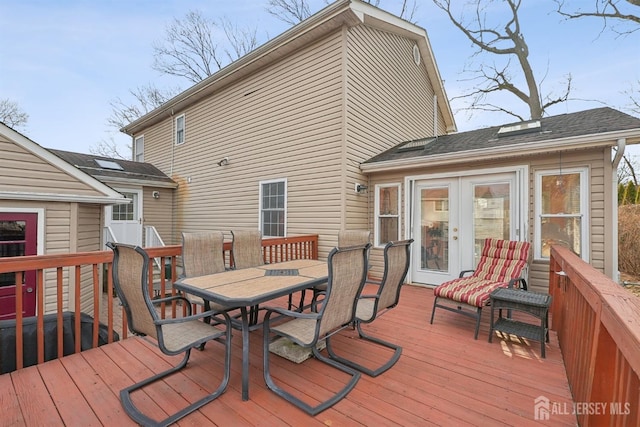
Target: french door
(453, 216)
(18, 237)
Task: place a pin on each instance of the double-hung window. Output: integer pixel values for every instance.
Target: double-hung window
(561, 211)
(138, 147)
(387, 213)
(273, 207)
(180, 129)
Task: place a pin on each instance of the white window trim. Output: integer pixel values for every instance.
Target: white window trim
(184, 129)
(286, 194)
(377, 216)
(135, 148)
(584, 209)
(41, 227)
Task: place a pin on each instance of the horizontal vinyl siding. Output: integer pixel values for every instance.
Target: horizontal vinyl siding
(282, 122)
(21, 171)
(88, 232)
(157, 212)
(389, 100)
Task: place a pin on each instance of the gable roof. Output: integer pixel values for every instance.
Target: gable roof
(139, 173)
(109, 195)
(342, 12)
(590, 128)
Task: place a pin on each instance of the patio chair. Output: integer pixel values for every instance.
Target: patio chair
(345, 238)
(347, 274)
(174, 336)
(202, 254)
(370, 307)
(500, 266)
(246, 253)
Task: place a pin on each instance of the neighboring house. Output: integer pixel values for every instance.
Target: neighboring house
(150, 191)
(275, 140)
(47, 206)
(551, 181)
(289, 138)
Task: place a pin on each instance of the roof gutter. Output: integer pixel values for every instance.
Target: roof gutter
(528, 148)
(72, 198)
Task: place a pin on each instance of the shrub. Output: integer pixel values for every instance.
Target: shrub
(629, 239)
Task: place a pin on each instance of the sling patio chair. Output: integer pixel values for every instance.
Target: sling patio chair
(345, 238)
(500, 266)
(247, 253)
(370, 307)
(347, 274)
(173, 336)
(203, 254)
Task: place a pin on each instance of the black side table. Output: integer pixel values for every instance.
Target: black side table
(533, 303)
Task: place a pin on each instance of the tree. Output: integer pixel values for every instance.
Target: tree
(12, 115)
(295, 11)
(614, 13)
(109, 149)
(190, 49)
(627, 170)
(502, 39)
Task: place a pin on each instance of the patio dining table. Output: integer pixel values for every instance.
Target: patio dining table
(250, 287)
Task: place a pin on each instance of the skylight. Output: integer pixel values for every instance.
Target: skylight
(416, 144)
(518, 128)
(108, 164)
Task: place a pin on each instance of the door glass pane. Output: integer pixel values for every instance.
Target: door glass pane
(434, 228)
(491, 214)
(125, 212)
(12, 243)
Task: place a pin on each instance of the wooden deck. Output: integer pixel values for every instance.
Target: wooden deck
(444, 377)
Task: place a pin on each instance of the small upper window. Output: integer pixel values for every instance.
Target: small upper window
(138, 147)
(180, 125)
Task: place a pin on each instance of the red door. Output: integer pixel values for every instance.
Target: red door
(18, 237)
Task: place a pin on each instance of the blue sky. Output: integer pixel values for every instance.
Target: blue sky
(64, 61)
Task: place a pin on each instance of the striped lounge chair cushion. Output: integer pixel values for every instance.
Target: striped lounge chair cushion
(501, 261)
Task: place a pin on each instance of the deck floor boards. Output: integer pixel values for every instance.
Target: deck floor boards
(443, 378)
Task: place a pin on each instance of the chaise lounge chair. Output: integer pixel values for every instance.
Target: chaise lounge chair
(500, 266)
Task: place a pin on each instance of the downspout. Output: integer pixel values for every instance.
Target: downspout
(621, 144)
(173, 144)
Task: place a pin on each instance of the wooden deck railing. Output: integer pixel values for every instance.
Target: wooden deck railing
(598, 326)
(275, 249)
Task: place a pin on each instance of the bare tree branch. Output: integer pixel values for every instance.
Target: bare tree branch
(290, 11)
(501, 39)
(109, 149)
(147, 98)
(607, 10)
(189, 49)
(12, 115)
(242, 40)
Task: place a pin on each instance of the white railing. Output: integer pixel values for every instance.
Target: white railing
(152, 239)
(108, 236)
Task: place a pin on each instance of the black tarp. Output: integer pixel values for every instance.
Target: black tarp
(29, 335)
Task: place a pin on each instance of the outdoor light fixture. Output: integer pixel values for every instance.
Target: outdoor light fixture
(156, 194)
(361, 188)
(223, 162)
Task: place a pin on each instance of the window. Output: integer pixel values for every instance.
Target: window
(387, 212)
(180, 125)
(561, 211)
(125, 212)
(273, 202)
(138, 147)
